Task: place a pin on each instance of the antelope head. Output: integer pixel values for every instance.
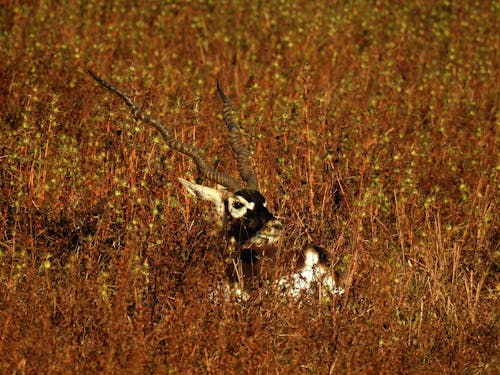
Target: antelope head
(242, 207)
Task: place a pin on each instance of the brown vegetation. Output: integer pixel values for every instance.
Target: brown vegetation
(376, 129)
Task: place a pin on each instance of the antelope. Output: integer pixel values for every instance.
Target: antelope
(252, 231)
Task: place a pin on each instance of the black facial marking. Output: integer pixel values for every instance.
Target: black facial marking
(246, 227)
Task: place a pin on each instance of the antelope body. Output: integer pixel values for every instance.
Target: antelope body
(253, 231)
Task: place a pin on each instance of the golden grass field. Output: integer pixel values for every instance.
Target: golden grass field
(374, 129)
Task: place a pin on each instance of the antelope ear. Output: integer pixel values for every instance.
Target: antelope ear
(216, 196)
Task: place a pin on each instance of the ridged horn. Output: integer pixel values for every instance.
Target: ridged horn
(203, 165)
(242, 153)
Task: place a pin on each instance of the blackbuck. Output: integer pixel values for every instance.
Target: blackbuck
(252, 231)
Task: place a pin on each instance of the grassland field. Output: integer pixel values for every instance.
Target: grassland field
(374, 129)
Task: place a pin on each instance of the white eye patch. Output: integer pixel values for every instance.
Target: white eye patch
(238, 206)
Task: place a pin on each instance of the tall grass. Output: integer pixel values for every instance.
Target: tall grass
(374, 128)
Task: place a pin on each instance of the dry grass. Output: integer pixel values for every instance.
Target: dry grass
(376, 136)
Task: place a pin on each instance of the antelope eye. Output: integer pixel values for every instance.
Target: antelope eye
(237, 205)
